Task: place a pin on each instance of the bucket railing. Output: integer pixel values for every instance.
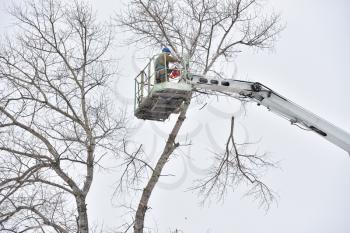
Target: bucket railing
(147, 78)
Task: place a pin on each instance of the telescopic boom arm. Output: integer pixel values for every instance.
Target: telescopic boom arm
(278, 104)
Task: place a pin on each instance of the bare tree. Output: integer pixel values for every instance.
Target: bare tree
(233, 167)
(56, 120)
(205, 32)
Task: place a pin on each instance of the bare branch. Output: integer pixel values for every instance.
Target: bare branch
(232, 168)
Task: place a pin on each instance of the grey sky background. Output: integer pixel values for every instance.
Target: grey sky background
(310, 65)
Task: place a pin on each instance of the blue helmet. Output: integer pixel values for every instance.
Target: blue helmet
(166, 50)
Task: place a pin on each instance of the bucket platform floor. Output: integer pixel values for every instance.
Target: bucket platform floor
(164, 99)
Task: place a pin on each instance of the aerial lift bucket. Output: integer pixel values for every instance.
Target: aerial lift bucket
(157, 101)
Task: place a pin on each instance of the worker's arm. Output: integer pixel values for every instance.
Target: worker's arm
(171, 59)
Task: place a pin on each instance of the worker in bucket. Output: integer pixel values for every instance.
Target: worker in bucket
(162, 65)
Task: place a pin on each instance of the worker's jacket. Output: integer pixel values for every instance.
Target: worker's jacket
(162, 61)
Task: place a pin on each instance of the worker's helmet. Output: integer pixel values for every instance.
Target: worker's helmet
(166, 50)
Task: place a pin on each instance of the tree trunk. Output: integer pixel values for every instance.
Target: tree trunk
(82, 221)
(170, 146)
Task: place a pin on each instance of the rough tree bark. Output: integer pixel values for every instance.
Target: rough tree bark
(169, 148)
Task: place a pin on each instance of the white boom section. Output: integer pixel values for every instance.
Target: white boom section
(278, 104)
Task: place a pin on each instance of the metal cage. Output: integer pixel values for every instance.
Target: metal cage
(156, 101)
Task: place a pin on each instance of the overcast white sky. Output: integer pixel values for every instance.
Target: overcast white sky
(310, 66)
